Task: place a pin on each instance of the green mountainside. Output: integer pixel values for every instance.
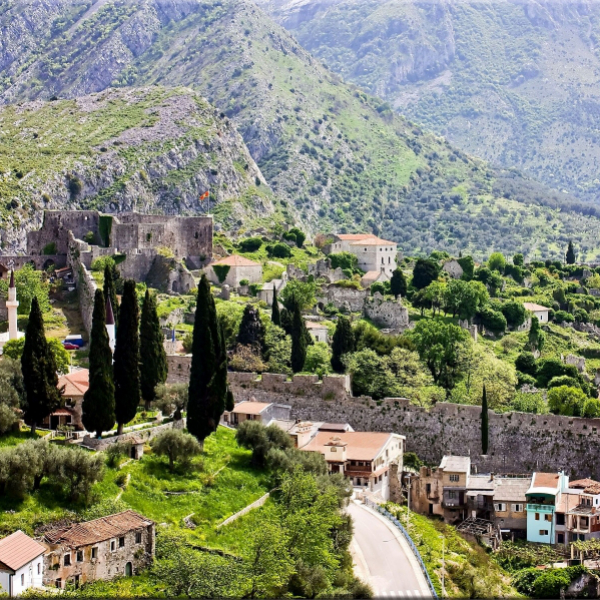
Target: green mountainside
(151, 148)
(513, 82)
(336, 158)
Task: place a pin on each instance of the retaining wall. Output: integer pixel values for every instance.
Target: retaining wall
(145, 434)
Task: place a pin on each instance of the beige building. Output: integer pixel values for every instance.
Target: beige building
(371, 460)
(263, 412)
(318, 331)
(74, 386)
(373, 253)
(236, 269)
(117, 545)
(539, 311)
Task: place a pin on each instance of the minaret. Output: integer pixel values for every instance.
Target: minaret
(12, 304)
(110, 325)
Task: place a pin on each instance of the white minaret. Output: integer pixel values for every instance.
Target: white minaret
(110, 325)
(12, 304)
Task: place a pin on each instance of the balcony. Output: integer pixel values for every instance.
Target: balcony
(541, 508)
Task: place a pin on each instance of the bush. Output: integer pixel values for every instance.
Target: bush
(296, 236)
(567, 401)
(99, 264)
(344, 260)
(591, 408)
(550, 582)
(563, 380)
(279, 250)
(251, 244)
(177, 446)
(378, 287)
(548, 368)
(562, 316)
(514, 313)
(49, 249)
(524, 379)
(492, 320)
(115, 452)
(526, 363)
(8, 418)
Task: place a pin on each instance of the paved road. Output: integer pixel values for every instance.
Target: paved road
(383, 557)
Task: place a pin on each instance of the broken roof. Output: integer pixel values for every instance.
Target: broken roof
(589, 486)
(98, 530)
(18, 549)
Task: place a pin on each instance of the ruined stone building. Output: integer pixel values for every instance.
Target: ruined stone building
(120, 544)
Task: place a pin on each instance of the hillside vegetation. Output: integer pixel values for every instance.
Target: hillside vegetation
(144, 149)
(337, 158)
(513, 82)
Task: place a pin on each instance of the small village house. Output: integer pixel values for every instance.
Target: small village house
(539, 311)
(74, 386)
(373, 253)
(453, 268)
(371, 277)
(543, 496)
(234, 269)
(318, 331)
(266, 293)
(263, 412)
(104, 548)
(21, 564)
(578, 512)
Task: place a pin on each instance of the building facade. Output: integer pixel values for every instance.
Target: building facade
(373, 253)
(21, 564)
(235, 270)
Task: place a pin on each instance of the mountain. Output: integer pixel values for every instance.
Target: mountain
(334, 157)
(149, 149)
(517, 82)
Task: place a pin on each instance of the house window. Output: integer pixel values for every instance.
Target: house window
(543, 532)
(22, 579)
(95, 552)
(76, 581)
(428, 488)
(548, 517)
(67, 560)
(39, 568)
(79, 555)
(560, 538)
(537, 516)
(560, 519)
(454, 478)
(138, 537)
(517, 508)
(113, 545)
(452, 495)
(121, 542)
(59, 583)
(500, 507)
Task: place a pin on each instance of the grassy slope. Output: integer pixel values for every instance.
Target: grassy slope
(336, 157)
(514, 83)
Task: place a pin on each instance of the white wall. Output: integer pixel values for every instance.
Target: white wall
(28, 574)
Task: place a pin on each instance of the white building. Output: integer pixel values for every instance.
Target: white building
(21, 563)
(12, 304)
(318, 331)
(373, 253)
(234, 269)
(541, 312)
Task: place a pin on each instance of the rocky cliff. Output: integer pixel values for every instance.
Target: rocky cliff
(148, 149)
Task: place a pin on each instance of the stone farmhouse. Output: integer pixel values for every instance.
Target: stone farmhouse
(234, 269)
(317, 330)
(119, 544)
(374, 254)
(21, 564)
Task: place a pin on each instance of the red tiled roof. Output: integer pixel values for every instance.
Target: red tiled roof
(373, 241)
(589, 486)
(18, 549)
(250, 408)
(98, 530)
(545, 480)
(361, 445)
(75, 384)
(354, 236)
(533, 307)
(236, 261)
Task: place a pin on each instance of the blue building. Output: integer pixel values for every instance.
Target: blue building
(543, 498)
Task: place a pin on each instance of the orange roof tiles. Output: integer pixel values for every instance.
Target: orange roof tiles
(98, 530)
(250, 408)
(362, 445)
(75, 384)
(236, 261)
(533, 307)
(315, 325)
(18, 549)
(589, 486)
(348, 237)
(547, 480)
(374, 241)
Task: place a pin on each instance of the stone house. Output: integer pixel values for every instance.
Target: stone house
(120, 544)
(371, 460)
(453, 268)
(539, 311)
(371, 277)
(263, 412)
(21, 564)
(373, 253)
(266, 294)
(74, 385)
(318, 331)
(233, 270)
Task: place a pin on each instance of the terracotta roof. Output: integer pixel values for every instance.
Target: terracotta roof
(373, 241)
(18, 549)
(236, 261)
(589, 486)
(533, 307)
(75, 384)
(354, 236)
(370, 276)
(98, 530)
(545, 480)
(62, 412)
(362, 445)
(250, 408)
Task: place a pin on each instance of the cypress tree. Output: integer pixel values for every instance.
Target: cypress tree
(42, 396)
(153, 358)
(208, 393)
(110, 291)
(343, 342)
(398, 285)
(99, 401)
(300, 337)
(570, 257)
(251, 332)
(485, 426)
(127, 358)
(275, 315)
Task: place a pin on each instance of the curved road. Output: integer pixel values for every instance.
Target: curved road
(383, 558)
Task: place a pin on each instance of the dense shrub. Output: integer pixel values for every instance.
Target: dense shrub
(526, 363)
(279, 250)
(251, 244)
(551, 367)
(492, 320)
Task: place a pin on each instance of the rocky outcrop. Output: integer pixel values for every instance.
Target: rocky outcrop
(389, 314)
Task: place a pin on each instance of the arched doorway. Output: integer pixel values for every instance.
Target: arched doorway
(128, 570)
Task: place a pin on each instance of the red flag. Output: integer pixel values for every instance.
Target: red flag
(205, 196)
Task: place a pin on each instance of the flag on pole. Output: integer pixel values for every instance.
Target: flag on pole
(205, 195)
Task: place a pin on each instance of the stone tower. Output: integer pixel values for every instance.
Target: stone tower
(12, 304)
(110, 325)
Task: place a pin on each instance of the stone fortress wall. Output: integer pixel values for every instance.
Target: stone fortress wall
(518, 442)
